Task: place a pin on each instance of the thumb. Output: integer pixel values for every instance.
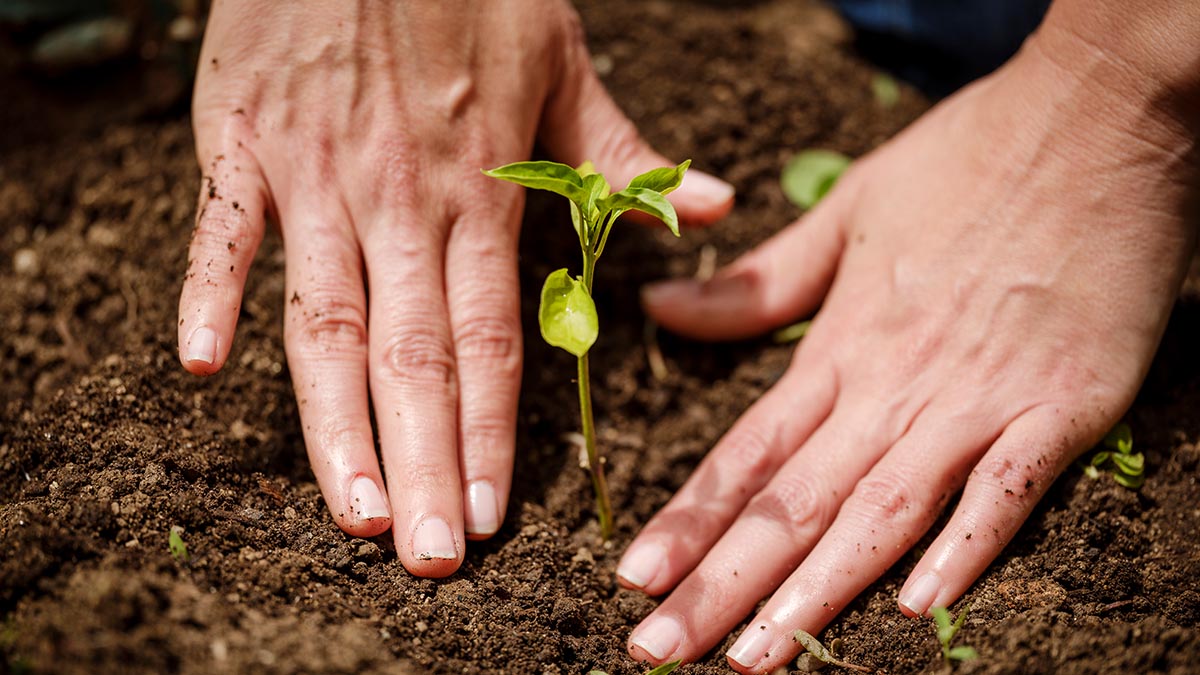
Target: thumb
(782, 280)
(582, 122)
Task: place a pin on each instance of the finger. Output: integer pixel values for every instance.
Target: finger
(1000, 494)
(325, 334)
(414, 384)
(229, 229)
(677, 537)
(770, 537)
(582, 122)
(780, 281)
(484, 303)
(897, 499)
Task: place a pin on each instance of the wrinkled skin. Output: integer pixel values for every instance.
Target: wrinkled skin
(989, 289)
(362, 128)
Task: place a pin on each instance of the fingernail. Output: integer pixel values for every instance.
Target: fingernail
(658, 636)
(367, 501)
(917, 596)
(700, 185)
(752, 646)
(432, 539)
(202, 346)
(641, 564)
(482, 513)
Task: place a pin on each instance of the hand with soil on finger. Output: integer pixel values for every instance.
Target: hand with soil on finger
(362, 128)
(989, 289)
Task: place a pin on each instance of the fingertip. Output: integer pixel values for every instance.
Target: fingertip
(919, 593)
(656, 639)
(641, 566)
(200, 352)
(702, 198)
(431, 550)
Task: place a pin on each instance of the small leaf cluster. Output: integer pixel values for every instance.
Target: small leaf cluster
(176, 544)
(567, 315)
(947, 629)
(1127, 467)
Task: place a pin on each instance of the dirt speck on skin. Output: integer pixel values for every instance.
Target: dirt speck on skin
(106, 444)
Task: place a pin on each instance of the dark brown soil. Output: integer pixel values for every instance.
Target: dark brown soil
(105, 443)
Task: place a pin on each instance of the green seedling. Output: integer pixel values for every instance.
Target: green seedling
(664, 669)
(819, 652)
(567, 314)
(885, 89)
(176, 544)
(946, 630)
(792, 333)
(810, 175)
(1126, 466)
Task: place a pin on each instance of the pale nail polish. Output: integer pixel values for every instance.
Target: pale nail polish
(641, 564)
(707, 187)
(482, 512)
(433, 540)
(366, 500)
(658, 636)
(753, 645)
(918, 595)
(202, 345)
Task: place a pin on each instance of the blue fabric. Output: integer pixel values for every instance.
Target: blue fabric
(943, 44)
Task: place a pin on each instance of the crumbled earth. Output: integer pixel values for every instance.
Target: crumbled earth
(105, 443)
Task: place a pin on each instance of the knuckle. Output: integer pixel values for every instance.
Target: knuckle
(749, 450)
(487, 437)
(417, 356)
(324, 322)
(794, 504)
(493, 339)
(889, 501)
(1005, 476)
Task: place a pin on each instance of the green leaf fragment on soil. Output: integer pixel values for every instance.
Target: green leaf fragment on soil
(810, 175)
(1131, 482)
(886, 90)
(664, 668)
(1132, 465)
(176, 544)
(567, 315)
(818, 650)
(963, 653)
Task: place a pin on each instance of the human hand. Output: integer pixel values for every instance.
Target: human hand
(362, 127)
(991, 286)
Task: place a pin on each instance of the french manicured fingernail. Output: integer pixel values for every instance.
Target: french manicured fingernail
(202, 345)
(918, 595)
(752, 646)
(433, 540)
(641, 564)
(366, 500)
(482, 513)
(700, 185)
(658, 636)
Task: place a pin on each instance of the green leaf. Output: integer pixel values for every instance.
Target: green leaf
(814, 646)
(963, 653)
(1131, 482)
(886, 90)
(662, 180)
(1100, 458)
(665, 668)
(567, 315)
(941, 617)
(792, 333)
(586, 169)
(551, 176)
(1132, 465)
(597, 189)
(1091, 472)
(176, 544)
(1120, 439)
(646, 201)
(810, 175)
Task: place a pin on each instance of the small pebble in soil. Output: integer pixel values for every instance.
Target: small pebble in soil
(26, 263)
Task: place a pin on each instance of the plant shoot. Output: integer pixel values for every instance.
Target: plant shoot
(946, 630)
(567, 314)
